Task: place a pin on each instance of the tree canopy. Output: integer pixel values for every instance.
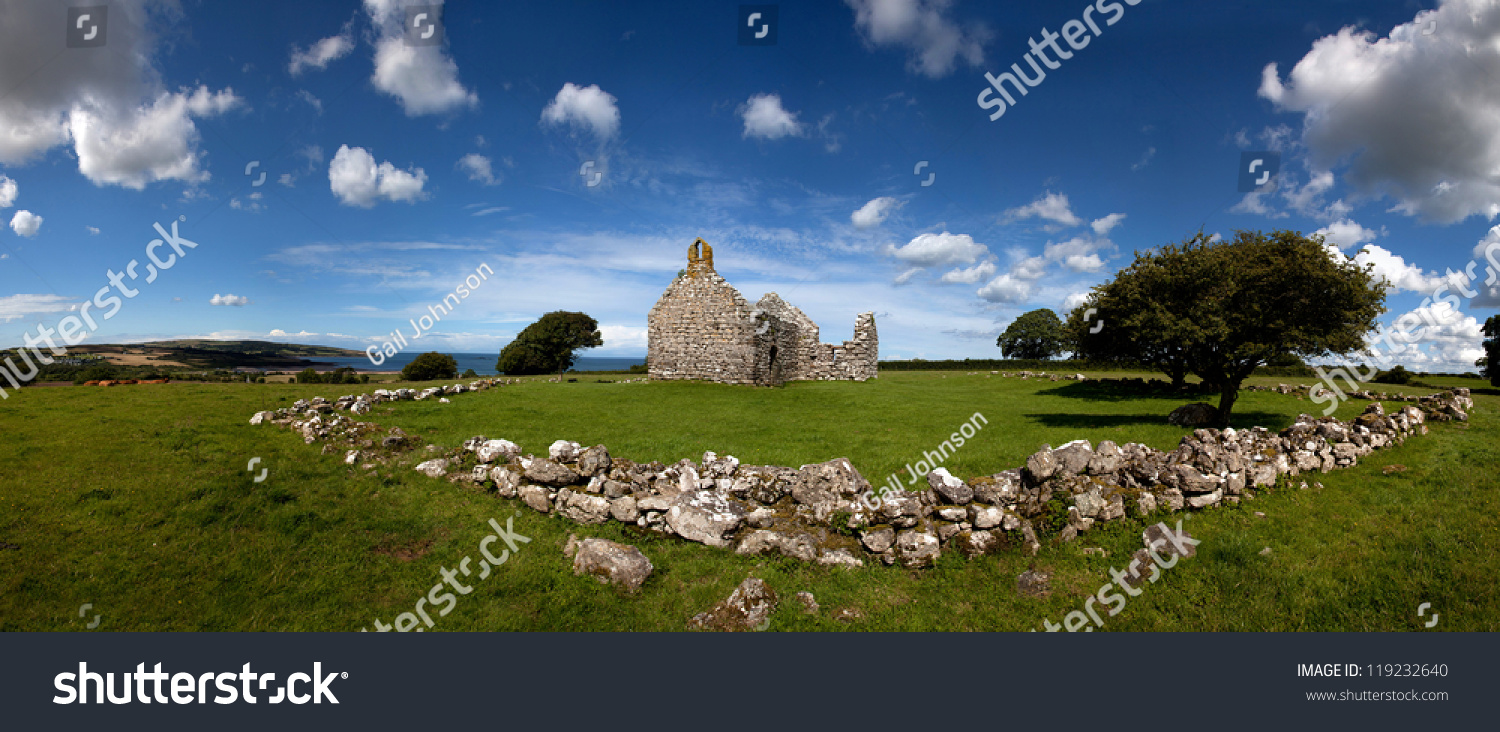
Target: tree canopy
(1035, 335)
(430, 366)
(1220, 309)
(548, 345)
(1491, 360)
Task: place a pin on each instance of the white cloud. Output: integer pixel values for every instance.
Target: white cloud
(934, 41)
(26, 223)
(356, 180)
(93, 231)
(312, 101)
(253, 205)
(8, 191)
(1145, 159)
(422, 78)
(1392, 268)
(14, 307)
(490, 210)
(1006, 289)
(234, 300)
(1103, 226)
(1050, 206)
(765, 118)
(288, 180)
(152, 143)
(935, 250)
(586, 108)
(1345, 233)
(1083, 263)
(1372, 101)
(478, 168)
(1028, 268)
(1453, 344)
(1074, 300)
(971, 275)
(318, 55)
(875, 212)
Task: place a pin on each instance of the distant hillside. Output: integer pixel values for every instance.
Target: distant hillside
(207, 354)
(264, 348)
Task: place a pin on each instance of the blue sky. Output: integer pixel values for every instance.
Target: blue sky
(392, 171)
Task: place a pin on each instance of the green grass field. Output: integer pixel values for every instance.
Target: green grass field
(137, 500)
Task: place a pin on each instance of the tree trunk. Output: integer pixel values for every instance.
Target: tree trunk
(1227, 394)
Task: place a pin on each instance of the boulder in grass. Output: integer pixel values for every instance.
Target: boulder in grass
(1197, 414)
(613, 563)
(749, 607)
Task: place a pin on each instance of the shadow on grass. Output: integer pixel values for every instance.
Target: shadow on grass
(1101, 392)
(1484, 391)
(1241, 420)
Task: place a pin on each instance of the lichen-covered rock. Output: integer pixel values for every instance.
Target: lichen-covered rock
(594, 461)
(999, 489)
(535, 496)
(563, 451)
(1074, 457)
(749, 607)
(624, 510)
(507, 482)
(705, 517)
(613, 563)
(548, 472)
(797, 546)
(879, 540)
(839, 558)
(435, 468)
(975, 543)
(262, 417)
(952, 489)
(491, 450)
(1041, 465)
(584, 508)
(917, 548)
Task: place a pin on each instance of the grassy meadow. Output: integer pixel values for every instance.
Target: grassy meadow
(138, 500)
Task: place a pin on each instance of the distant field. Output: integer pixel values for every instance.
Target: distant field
(138, 501)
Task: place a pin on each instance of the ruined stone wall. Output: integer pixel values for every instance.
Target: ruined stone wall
(702, 328)
(830, 514)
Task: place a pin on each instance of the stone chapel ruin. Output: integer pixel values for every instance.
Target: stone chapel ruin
(702, 328)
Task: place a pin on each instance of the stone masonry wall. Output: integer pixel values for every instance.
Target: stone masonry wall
(702, 328)
(829, 514)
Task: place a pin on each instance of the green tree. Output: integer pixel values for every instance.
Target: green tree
(470, 374)
(547, 345)
(1035, 335)
(1491, 360)
(309, 375)
(1220, 309)
(430, 366)
(1398, 375)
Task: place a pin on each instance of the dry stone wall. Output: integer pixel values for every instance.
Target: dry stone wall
(826, 513)
(702, 328)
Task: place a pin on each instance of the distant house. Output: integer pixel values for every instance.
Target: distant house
(702, 328)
